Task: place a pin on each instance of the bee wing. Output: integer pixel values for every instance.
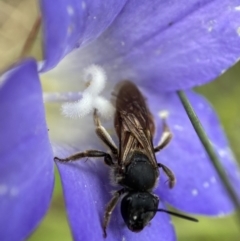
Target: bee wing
(133, 122)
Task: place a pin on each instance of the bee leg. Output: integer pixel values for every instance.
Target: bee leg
(165, 138)
(88, 153)
(109, 209)
(104, 135)
(169, 173)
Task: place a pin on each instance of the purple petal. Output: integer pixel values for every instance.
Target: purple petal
(172, 44)
(68, 24)
(198, 188)
(87, 191)
(26, 166)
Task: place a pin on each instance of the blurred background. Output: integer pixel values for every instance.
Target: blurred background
(19, 28)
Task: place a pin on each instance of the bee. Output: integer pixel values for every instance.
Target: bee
(133, 163)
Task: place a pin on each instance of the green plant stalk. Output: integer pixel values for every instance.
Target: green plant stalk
(209, 149)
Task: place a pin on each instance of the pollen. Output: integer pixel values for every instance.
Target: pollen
(95, 82)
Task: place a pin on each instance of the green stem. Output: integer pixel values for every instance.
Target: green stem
(209, 149)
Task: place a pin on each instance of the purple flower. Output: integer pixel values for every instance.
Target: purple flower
(26, 166)
(160, 45)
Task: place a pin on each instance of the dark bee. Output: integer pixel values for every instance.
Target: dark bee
(134, 163)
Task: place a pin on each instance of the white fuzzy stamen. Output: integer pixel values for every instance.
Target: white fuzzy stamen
(95, 78)
(104, 106)
(78, 108)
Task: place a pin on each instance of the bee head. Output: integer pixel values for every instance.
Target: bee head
(135, 208)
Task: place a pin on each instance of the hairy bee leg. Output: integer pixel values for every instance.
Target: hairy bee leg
(165, 138)
(169, 173)
(88, 153)
(104, 135)
(109, 209)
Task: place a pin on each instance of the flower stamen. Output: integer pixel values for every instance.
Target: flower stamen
(95, 78)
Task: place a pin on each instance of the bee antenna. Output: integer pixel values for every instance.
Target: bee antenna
(174, 214)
